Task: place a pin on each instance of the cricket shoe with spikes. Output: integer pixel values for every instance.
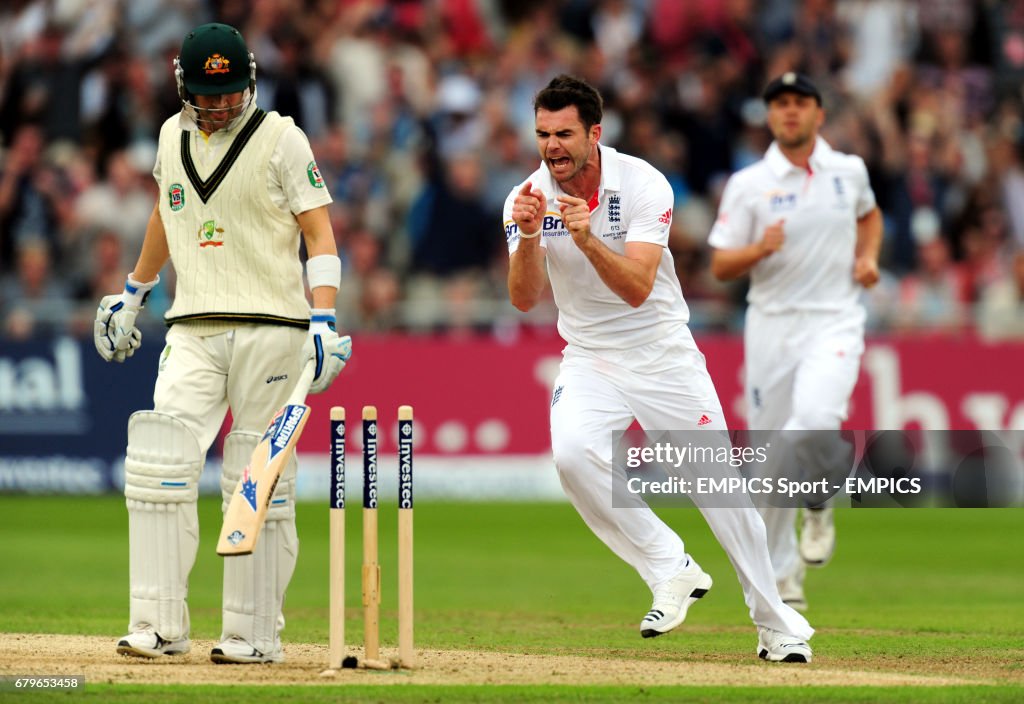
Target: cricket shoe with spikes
(147, 643)
(791, 590)
(817, 536)
(779, 647)
(237, 651)
(672, 598)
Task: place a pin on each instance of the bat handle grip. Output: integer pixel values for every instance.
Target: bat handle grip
(302, 386)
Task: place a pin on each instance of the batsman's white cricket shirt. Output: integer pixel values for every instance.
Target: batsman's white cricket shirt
(228, 205)
(633, 203)
(819, 207)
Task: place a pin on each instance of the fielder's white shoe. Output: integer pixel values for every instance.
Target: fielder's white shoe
(236, 651)
(778, 647)
(673, 598)
(147, 643)
(791, 589)
(817, 536)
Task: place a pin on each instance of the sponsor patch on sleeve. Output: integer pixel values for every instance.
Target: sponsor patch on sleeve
(316, 179)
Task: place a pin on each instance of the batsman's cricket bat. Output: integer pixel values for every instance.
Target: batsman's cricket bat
(247, 511)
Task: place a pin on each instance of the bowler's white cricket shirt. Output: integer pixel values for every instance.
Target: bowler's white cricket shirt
(633, 203)
(819, 207)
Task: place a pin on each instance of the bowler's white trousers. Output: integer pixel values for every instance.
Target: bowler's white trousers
(664, 386)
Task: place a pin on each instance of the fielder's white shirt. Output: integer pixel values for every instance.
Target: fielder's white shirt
(819, 207)
(633, 203)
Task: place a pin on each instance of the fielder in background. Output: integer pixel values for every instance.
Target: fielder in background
(236, 187)
(599, 221)
(803, 223)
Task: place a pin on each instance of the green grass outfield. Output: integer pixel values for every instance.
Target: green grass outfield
(930, 592)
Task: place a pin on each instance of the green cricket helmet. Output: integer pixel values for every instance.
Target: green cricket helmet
(214, 60)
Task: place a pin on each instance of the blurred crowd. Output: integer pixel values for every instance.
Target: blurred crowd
(420, 115)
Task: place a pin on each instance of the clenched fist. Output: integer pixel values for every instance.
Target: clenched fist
(773, 239)
(528, 210)
(575, 217)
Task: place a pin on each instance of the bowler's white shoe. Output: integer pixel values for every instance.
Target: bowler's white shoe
(778, 647)
(791, 589)
(147, 643)
(236, 651)
(672, 598)
(817, 536)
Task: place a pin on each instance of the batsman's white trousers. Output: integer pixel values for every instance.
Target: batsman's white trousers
(800, 372)
(664, 386)
(251, 369)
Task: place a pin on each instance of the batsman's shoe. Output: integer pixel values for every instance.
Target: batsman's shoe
(673, 598)
(778, 647)
(147, 643)
(236, 651)
(791, 590)
(817, 536)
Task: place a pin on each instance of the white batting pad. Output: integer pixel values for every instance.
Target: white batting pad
(254, 585)
(162, 469)
(163, 462)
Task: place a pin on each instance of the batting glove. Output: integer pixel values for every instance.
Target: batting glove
(328, 351)
(114, 331)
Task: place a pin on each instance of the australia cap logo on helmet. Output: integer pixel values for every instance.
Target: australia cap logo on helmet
(216, 64)
(214, 60)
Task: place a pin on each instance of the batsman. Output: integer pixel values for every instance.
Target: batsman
(237, 187)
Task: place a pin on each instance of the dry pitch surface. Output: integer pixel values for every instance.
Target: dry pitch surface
(95, 658)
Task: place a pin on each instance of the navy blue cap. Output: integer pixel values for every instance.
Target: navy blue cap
(791, 82)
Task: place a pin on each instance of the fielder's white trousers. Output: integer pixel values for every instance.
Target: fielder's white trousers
(664, 386)
(800, 371)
